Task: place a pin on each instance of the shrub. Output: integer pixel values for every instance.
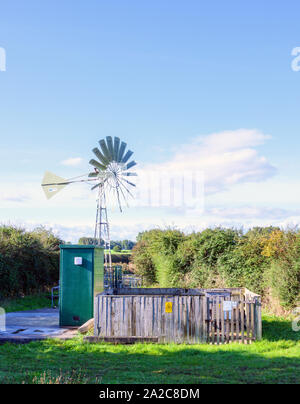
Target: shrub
(198, 255)
(29, 261)
(143, 263)
(283, 276)
(244, 266)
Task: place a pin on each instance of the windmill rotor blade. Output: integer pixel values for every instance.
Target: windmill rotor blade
(131, 164)
(118, 197)
(96, 164)
(100, 156)
(105, 149)
(125, 199)
(127, 156)
(124, 186)
(116, 148)
(121, 151)
(110, 146)
(130, 183)
(96, 186)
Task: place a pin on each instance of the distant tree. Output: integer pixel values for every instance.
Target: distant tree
(117, 248)
(88, 241)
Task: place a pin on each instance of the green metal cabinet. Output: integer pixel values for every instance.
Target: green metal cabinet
(81, 279)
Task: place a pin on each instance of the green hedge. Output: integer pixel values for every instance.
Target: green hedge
(265, 260)
(29, 261)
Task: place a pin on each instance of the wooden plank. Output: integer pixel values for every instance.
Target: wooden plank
(198, 319)
(127, 328)
(183, 313)
(130, 317)
(187, 319)
(159, 317)
(163, 319)
(232, 326)
(109, 318)
(122, 302)
(222, 320)
(145, 319)
(155, 322)
(242, 309)
(205, 336)
(258, 320)
(192, 319)
(168, 321)
(103, 325)
(218, 319)
(114, 321)
(150, 314)
(173, 319)
(213, 321)
(248, 321)
(137, 305)
(227, 322)
(237, 327)
(252, 321)
(227, 325)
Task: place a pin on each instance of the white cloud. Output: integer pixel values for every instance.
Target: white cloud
(72, 162)
(226, 158)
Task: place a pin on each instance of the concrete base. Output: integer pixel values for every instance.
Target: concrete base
(34, 325)
(120, 340)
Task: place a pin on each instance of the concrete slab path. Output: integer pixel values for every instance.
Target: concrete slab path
(33, 325)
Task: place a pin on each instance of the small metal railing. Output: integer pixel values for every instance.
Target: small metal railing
(53, 296)
(116, 279)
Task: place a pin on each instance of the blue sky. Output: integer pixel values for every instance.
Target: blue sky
(168, 77)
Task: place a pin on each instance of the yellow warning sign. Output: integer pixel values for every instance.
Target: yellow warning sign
(169, 307)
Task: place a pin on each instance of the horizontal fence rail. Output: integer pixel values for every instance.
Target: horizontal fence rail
(191, 319)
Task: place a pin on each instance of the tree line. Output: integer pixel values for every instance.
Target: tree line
(265, 260)
(116, 245)
(29, 260)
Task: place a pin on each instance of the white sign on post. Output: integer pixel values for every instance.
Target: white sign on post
(2, 320)
(228, 305)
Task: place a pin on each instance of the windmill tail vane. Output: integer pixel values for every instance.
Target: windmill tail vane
(111, 166)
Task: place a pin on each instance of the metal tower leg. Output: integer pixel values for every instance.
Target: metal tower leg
(101, 235)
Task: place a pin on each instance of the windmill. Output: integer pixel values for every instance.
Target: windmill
(111, 168)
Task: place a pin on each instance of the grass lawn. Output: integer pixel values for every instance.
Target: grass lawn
(275, 359)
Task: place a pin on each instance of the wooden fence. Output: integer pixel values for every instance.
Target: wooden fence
(204, 318)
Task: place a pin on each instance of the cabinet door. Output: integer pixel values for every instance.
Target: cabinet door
(76, 286)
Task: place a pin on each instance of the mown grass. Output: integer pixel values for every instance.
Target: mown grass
(275, 359)
(31, 302)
